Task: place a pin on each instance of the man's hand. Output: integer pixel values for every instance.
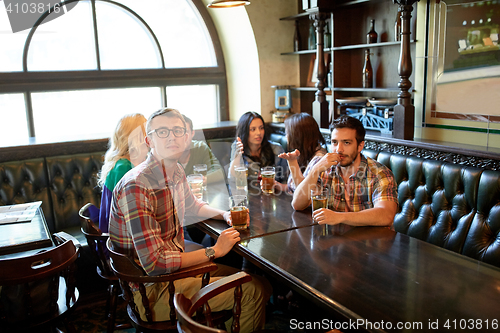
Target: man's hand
(326, 162)
(226, 241)
(294, 155)
(326, 216)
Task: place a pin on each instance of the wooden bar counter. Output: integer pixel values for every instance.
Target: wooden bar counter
(371, 278)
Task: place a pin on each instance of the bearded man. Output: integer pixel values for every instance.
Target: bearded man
(362, 191)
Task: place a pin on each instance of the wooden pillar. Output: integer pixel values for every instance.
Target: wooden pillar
(404, 111)
(320, 110)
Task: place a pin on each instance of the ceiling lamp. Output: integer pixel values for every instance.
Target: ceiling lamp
(228, 3)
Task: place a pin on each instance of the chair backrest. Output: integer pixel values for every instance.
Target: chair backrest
(96, 239)
(186, 308)
(131, 275)
(46, 282)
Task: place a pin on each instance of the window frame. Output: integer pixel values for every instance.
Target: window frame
(27, 82)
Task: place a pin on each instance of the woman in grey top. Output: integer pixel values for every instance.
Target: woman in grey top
(252, 148)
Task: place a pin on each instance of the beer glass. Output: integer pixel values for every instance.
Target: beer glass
(267, 174)
(196, 184)
(238, 204)
(319, 197)
(201, 169)
(241, 175)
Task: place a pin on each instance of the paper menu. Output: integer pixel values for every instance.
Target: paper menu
(18, 213)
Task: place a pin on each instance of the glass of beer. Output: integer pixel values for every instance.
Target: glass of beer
(267, 174)
(238, 204)
(241, 174)
(319, 198)
(196, 184)
(201, 169)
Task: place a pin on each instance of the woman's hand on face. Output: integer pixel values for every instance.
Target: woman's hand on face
(294, 155)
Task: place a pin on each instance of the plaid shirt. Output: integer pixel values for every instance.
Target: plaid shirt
(146, 214)
(372, 182)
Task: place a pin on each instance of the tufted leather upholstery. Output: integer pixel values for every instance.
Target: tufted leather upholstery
(25, 181)
(281, 139)
(437, 201)
(483, 239)
(73, 183)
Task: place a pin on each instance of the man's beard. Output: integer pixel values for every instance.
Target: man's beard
(352, 157)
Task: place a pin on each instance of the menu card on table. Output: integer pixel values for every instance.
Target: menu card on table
(18, 213)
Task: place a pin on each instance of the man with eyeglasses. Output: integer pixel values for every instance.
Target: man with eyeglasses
(149, 204)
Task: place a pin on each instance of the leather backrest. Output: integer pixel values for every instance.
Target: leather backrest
(436, 200)
(26, 181)
(73, 183)
(281, 139)
(483, 239)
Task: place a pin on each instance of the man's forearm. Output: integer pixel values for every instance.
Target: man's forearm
(211, 213)
(302, 195)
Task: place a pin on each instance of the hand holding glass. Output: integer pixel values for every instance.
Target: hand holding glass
(319, 198)
(196, 184)
(238, 204)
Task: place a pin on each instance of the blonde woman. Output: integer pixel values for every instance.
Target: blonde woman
(126, 150)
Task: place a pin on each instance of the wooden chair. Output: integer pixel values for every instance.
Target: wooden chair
(128, 271)
(96, 241)
(186, 308)
(38, 291)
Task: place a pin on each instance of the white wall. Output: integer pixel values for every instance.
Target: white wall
(252, 38)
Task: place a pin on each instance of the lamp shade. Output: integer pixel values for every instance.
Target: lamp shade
(228, 3)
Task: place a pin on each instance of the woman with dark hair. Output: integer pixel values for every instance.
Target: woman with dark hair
(254, 150)
(307, 146)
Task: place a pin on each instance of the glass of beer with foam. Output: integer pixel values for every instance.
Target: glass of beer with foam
(238, 204)
(267, 174)
(319, 197)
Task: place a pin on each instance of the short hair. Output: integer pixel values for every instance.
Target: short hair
(352, 123)
(168, 112)
(188, 121)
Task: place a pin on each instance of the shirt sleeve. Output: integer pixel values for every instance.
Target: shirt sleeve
(153, 253)
(385, 188)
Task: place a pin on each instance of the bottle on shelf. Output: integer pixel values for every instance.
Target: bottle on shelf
(371, 36)
(312, 37)
(367, 71)
(296, 37)
(329, 77)
(397, 27)
(328, 35)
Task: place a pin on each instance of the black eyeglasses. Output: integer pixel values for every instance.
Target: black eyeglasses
(164, 132)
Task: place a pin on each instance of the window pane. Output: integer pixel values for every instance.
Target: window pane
(181, 31)
(65, 43)
(13, 127)
(124, 42)
(199, 103)
(83, 114)
(12, 44)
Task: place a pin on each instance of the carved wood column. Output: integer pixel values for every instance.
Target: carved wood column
(404, 111)
(320, 110)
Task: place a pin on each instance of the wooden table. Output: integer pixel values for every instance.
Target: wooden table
(373, 277)
(25, 236)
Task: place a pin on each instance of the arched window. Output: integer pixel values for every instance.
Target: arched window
(75, 74)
